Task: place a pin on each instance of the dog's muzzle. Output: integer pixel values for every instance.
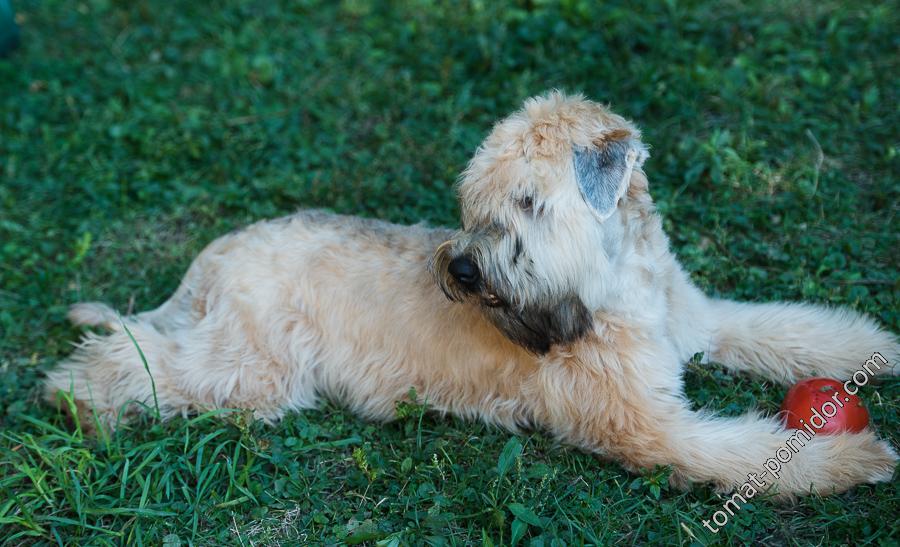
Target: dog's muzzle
(467, 276)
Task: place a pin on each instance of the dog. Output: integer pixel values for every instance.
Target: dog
(557, 306)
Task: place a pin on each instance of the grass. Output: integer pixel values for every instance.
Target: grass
(133, 133)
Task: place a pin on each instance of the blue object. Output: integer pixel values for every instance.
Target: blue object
(9, 30)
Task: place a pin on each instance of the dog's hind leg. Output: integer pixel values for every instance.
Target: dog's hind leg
(107, 372)
(786, 341)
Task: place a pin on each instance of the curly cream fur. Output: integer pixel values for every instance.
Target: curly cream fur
(285, 312)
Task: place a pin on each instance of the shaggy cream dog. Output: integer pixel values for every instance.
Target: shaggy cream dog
(567, 312)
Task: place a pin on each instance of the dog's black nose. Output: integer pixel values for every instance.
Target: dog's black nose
(464, 271)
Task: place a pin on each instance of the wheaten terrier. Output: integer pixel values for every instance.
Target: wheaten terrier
(558, 306)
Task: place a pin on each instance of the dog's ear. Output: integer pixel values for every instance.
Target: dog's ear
(603, 169)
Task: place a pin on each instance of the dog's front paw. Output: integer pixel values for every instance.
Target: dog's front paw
(882, 462)
(831, 464)
(892, 356)
(854, 458)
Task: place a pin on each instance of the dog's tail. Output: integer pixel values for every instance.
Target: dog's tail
(94, 314)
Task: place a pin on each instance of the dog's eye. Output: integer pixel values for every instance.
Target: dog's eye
(526, 204)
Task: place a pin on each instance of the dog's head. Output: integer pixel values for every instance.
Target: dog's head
(540, 204)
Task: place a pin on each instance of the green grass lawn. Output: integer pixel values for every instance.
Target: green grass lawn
(132, 133)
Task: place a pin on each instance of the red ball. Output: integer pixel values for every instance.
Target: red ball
(808, 401)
